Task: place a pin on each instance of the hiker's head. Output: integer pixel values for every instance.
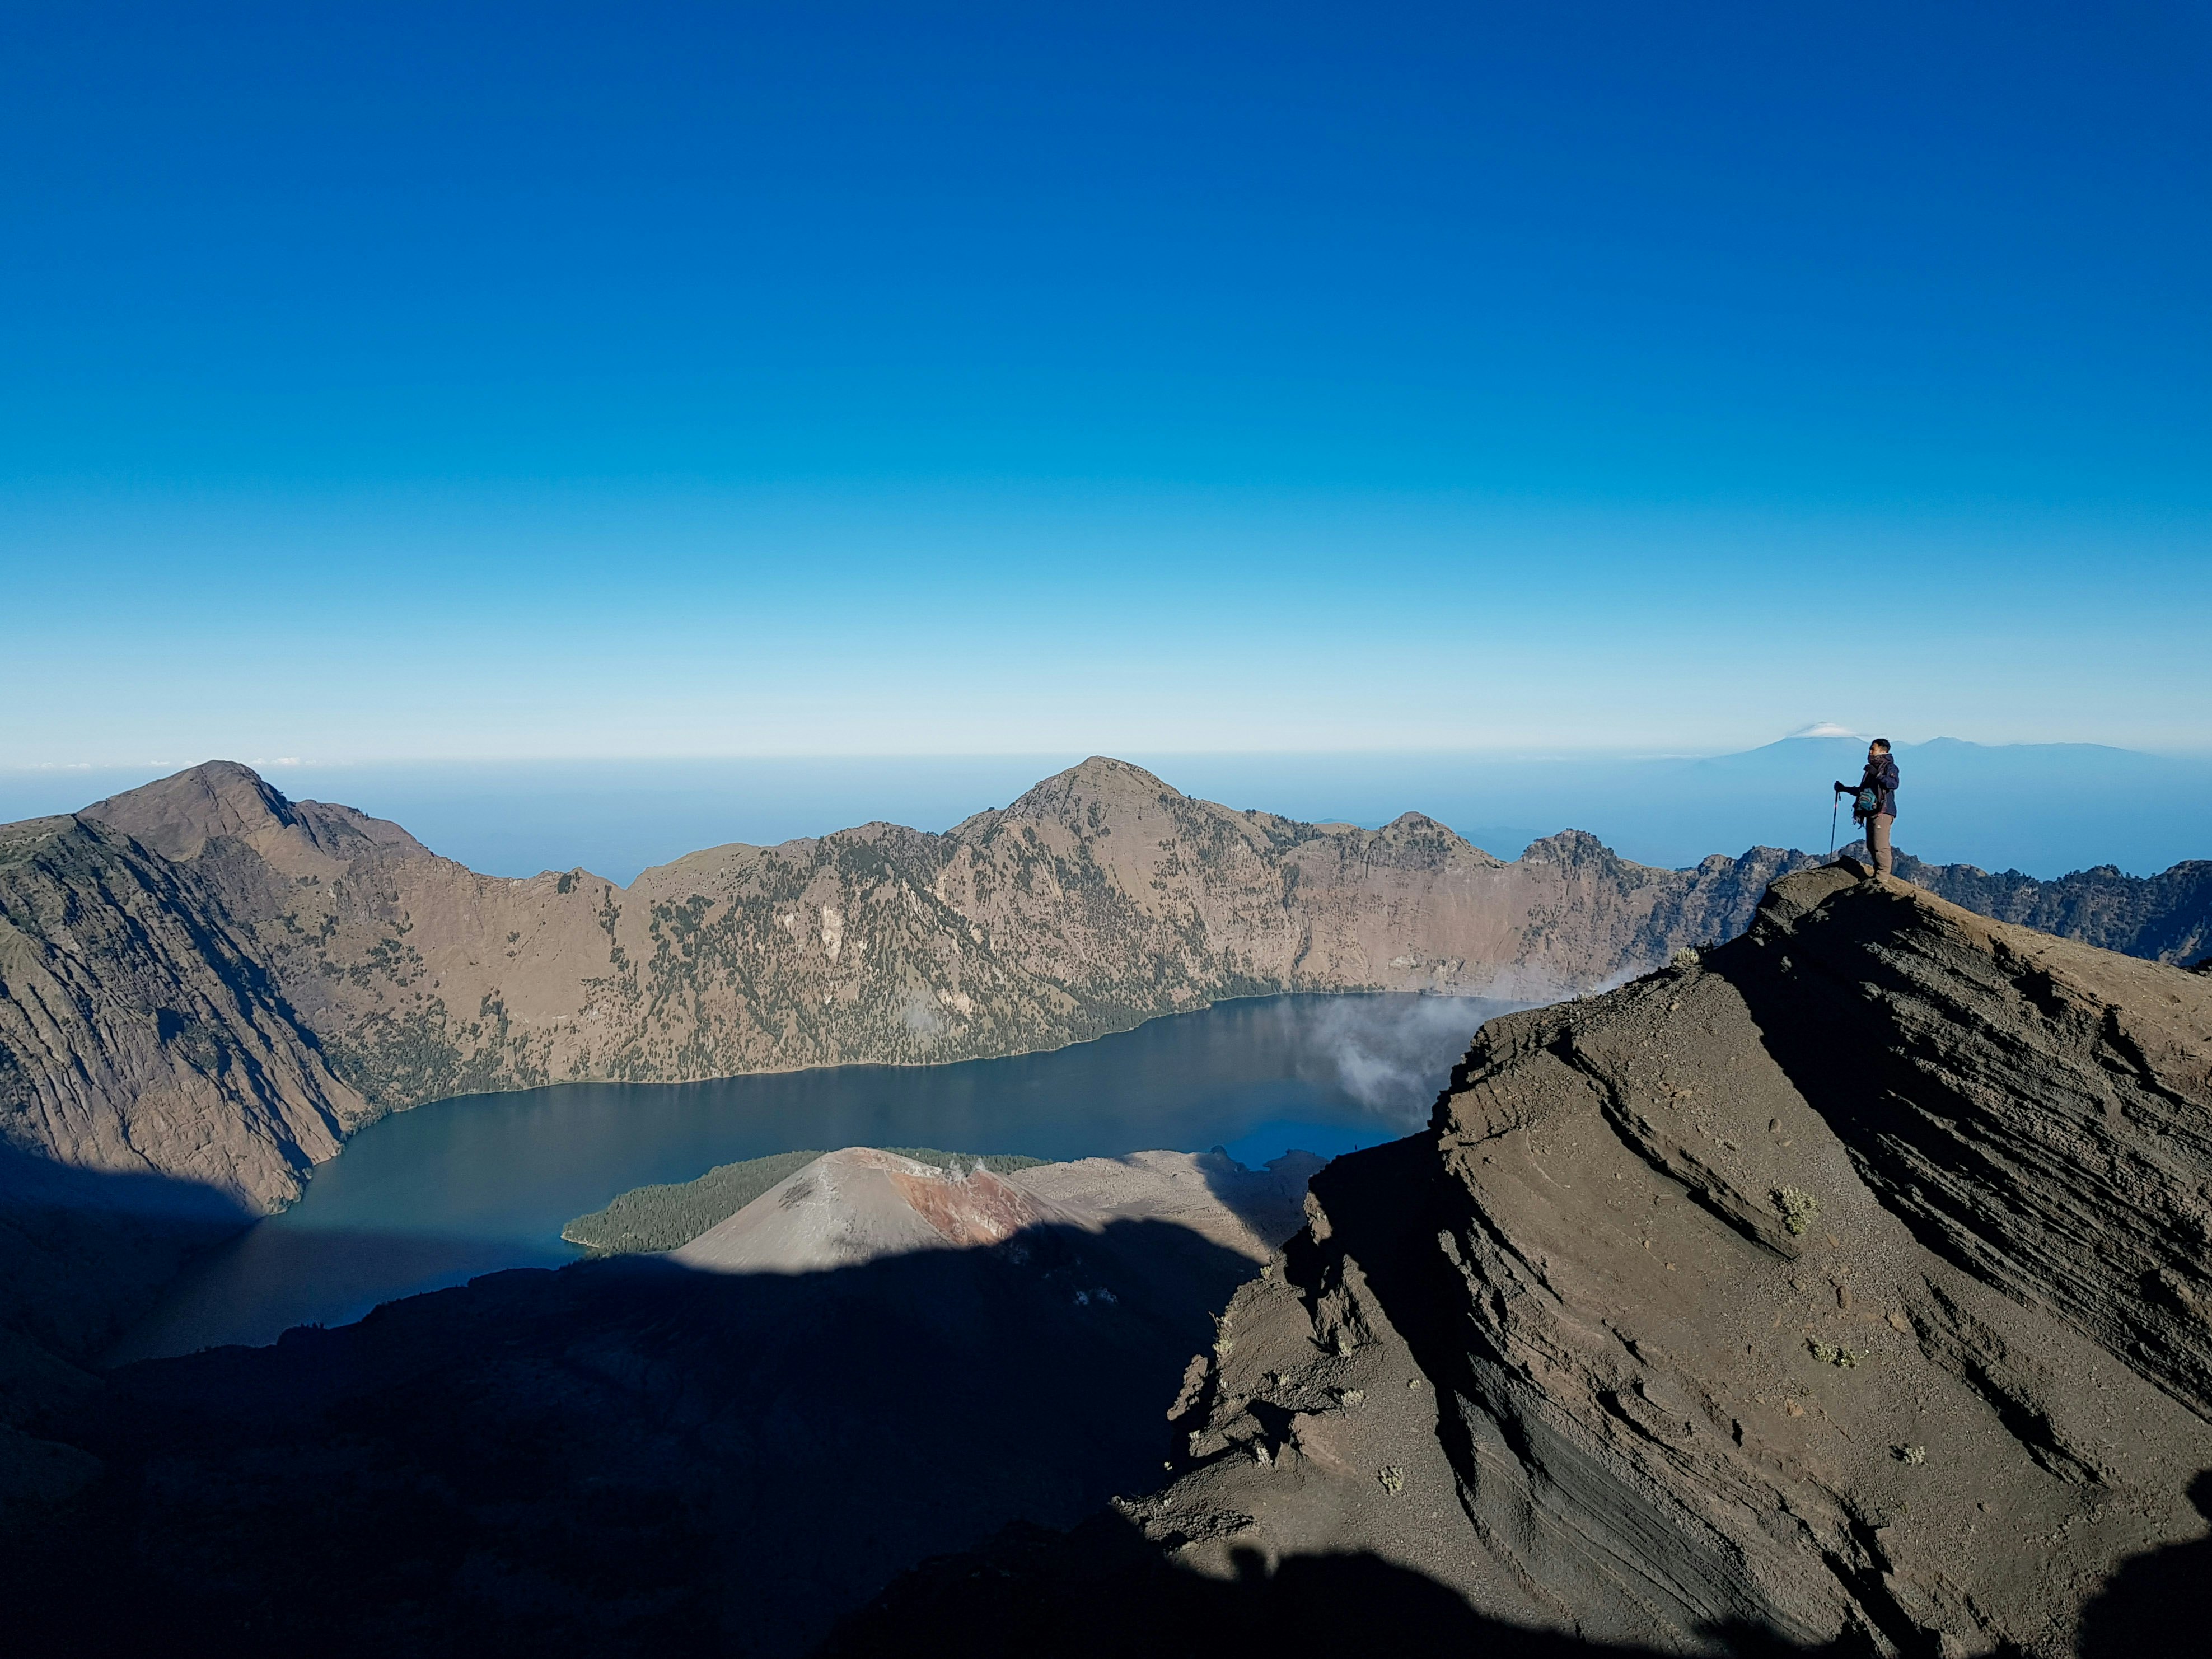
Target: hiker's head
(1879, 747)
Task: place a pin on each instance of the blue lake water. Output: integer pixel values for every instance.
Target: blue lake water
(437, 1195)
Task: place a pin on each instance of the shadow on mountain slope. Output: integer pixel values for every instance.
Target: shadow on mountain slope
(84, 1252)
(1104, 1589)
(2160, 1602)
(624, 1454)
(628, 1458)
(1102, 1592)
(1839, 1285)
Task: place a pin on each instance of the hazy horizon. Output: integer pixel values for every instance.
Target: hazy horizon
(1962, 802)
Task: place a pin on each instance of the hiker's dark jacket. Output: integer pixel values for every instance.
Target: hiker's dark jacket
(1881, 777)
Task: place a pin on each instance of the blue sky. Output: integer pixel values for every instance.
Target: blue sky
(660, 380)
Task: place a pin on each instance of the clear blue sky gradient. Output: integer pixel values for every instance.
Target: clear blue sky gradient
(661, 381)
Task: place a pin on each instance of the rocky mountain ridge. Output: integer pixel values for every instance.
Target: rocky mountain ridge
(1847, 1289)
(2167, 917)
(210, 981)
(204, 980)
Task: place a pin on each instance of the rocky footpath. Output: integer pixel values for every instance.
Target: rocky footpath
(1847, 1288)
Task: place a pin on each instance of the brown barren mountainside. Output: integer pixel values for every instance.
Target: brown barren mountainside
(204, 979)
(140, 1028)
(1852, 1284)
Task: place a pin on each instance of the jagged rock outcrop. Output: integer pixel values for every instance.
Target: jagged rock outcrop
(1849, 1285)
(205, 980)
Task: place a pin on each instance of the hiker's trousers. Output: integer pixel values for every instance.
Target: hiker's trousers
(1877, 832)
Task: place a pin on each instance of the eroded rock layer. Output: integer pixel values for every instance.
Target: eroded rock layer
(1849, 1285)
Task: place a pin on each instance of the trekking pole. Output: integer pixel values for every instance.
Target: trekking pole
(1835, 800)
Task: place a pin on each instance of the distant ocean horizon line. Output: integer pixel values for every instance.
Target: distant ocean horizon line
(1131, 754)
(1963, 802)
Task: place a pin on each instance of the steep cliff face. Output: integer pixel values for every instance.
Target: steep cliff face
(1853, 1282)
(141, 1031)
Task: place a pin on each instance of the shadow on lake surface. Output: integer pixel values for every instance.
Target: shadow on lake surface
(435, 1196)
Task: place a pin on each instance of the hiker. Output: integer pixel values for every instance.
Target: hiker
(1875, 806)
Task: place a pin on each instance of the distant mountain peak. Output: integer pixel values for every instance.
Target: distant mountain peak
(179, 815)
(1568, 846)
(1102, 898)
(1099, 779)
(1104, 772)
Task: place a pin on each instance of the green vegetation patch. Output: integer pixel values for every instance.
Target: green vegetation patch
(1798, 1209)
(665, 1218)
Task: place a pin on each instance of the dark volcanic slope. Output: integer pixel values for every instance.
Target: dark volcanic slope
(1849, 1285)
(645, 1456)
